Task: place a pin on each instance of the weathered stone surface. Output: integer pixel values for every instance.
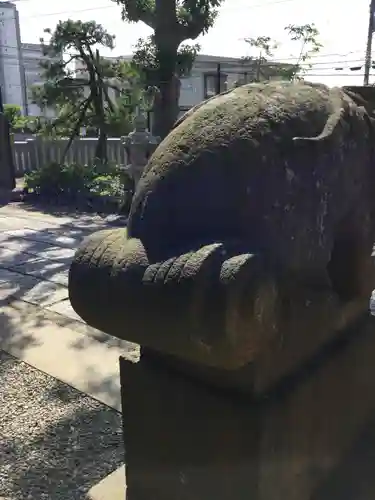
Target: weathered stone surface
(250, 236)
(187, 441)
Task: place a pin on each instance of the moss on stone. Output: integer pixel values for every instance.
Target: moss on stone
(252, 222)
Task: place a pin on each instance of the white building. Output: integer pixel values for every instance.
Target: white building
(19, 63)
(20, 70)
(31, 56)
(12, 79)
(207, 70)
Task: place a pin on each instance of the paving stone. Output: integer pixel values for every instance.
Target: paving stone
(44, 293)
(57, 253)
(56, 237)
(77, 359)
(15, 258)
(38, 249)
(11, 223)
(64, 307)
(15, 284)
(30, 289)
(57, 272)
(22, 245)
(112, 487)
(8, 275)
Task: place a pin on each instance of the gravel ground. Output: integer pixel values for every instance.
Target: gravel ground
(55, 442)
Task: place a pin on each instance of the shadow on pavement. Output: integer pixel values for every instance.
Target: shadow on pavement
(71, 440)
(76, 212)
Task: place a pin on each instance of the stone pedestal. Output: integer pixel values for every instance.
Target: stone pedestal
(185, 440)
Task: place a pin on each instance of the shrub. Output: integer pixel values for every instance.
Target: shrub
(55, 179)
(74, 180)
(106, 185)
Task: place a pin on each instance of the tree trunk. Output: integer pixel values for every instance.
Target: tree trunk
(101, 147)
(167, 40)
(166, 107)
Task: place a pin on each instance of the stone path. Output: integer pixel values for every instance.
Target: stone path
(35, 254)
(37, 323)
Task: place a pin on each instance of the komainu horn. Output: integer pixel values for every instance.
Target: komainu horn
(250, 235)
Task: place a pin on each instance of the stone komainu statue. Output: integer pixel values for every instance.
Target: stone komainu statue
(251, 228)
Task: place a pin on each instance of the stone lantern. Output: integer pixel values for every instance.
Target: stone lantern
(140, 143)
(139, 146)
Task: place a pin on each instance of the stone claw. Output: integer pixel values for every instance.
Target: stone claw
(204, 306)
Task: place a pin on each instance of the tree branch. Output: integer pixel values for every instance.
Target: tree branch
(195, 18)
(139, 10)
(107, 98)
(76, 127)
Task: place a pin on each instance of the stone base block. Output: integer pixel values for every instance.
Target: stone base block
(187, 441)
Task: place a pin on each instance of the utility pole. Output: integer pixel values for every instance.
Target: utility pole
(259, 66)
(371, 26)
(1, 101)
(218, 78)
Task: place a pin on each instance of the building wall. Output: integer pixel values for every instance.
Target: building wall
(31, 55)
(202, 82)
(11, 72)
(199, 85)
(19, 63)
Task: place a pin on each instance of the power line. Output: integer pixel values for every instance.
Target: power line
(334, 74)
(327, 65)
(315, 56)
(225, 6)
(332, 54)
(356, 65)
(105, 7)
(240, 61)
(89, 9)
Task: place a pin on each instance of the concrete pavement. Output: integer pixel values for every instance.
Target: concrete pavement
(37, 323)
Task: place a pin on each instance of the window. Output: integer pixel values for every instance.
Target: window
(210, 84)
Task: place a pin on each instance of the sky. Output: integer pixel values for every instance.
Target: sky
(343, 26)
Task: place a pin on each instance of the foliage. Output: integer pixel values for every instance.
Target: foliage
(163, 56)
(13, 114)
(264, 44)
(74, 180)
(146, 62)
(119, 120)
(307, 36)
(80, 101)
(18, 122)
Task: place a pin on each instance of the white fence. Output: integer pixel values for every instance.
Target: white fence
(36, 152)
